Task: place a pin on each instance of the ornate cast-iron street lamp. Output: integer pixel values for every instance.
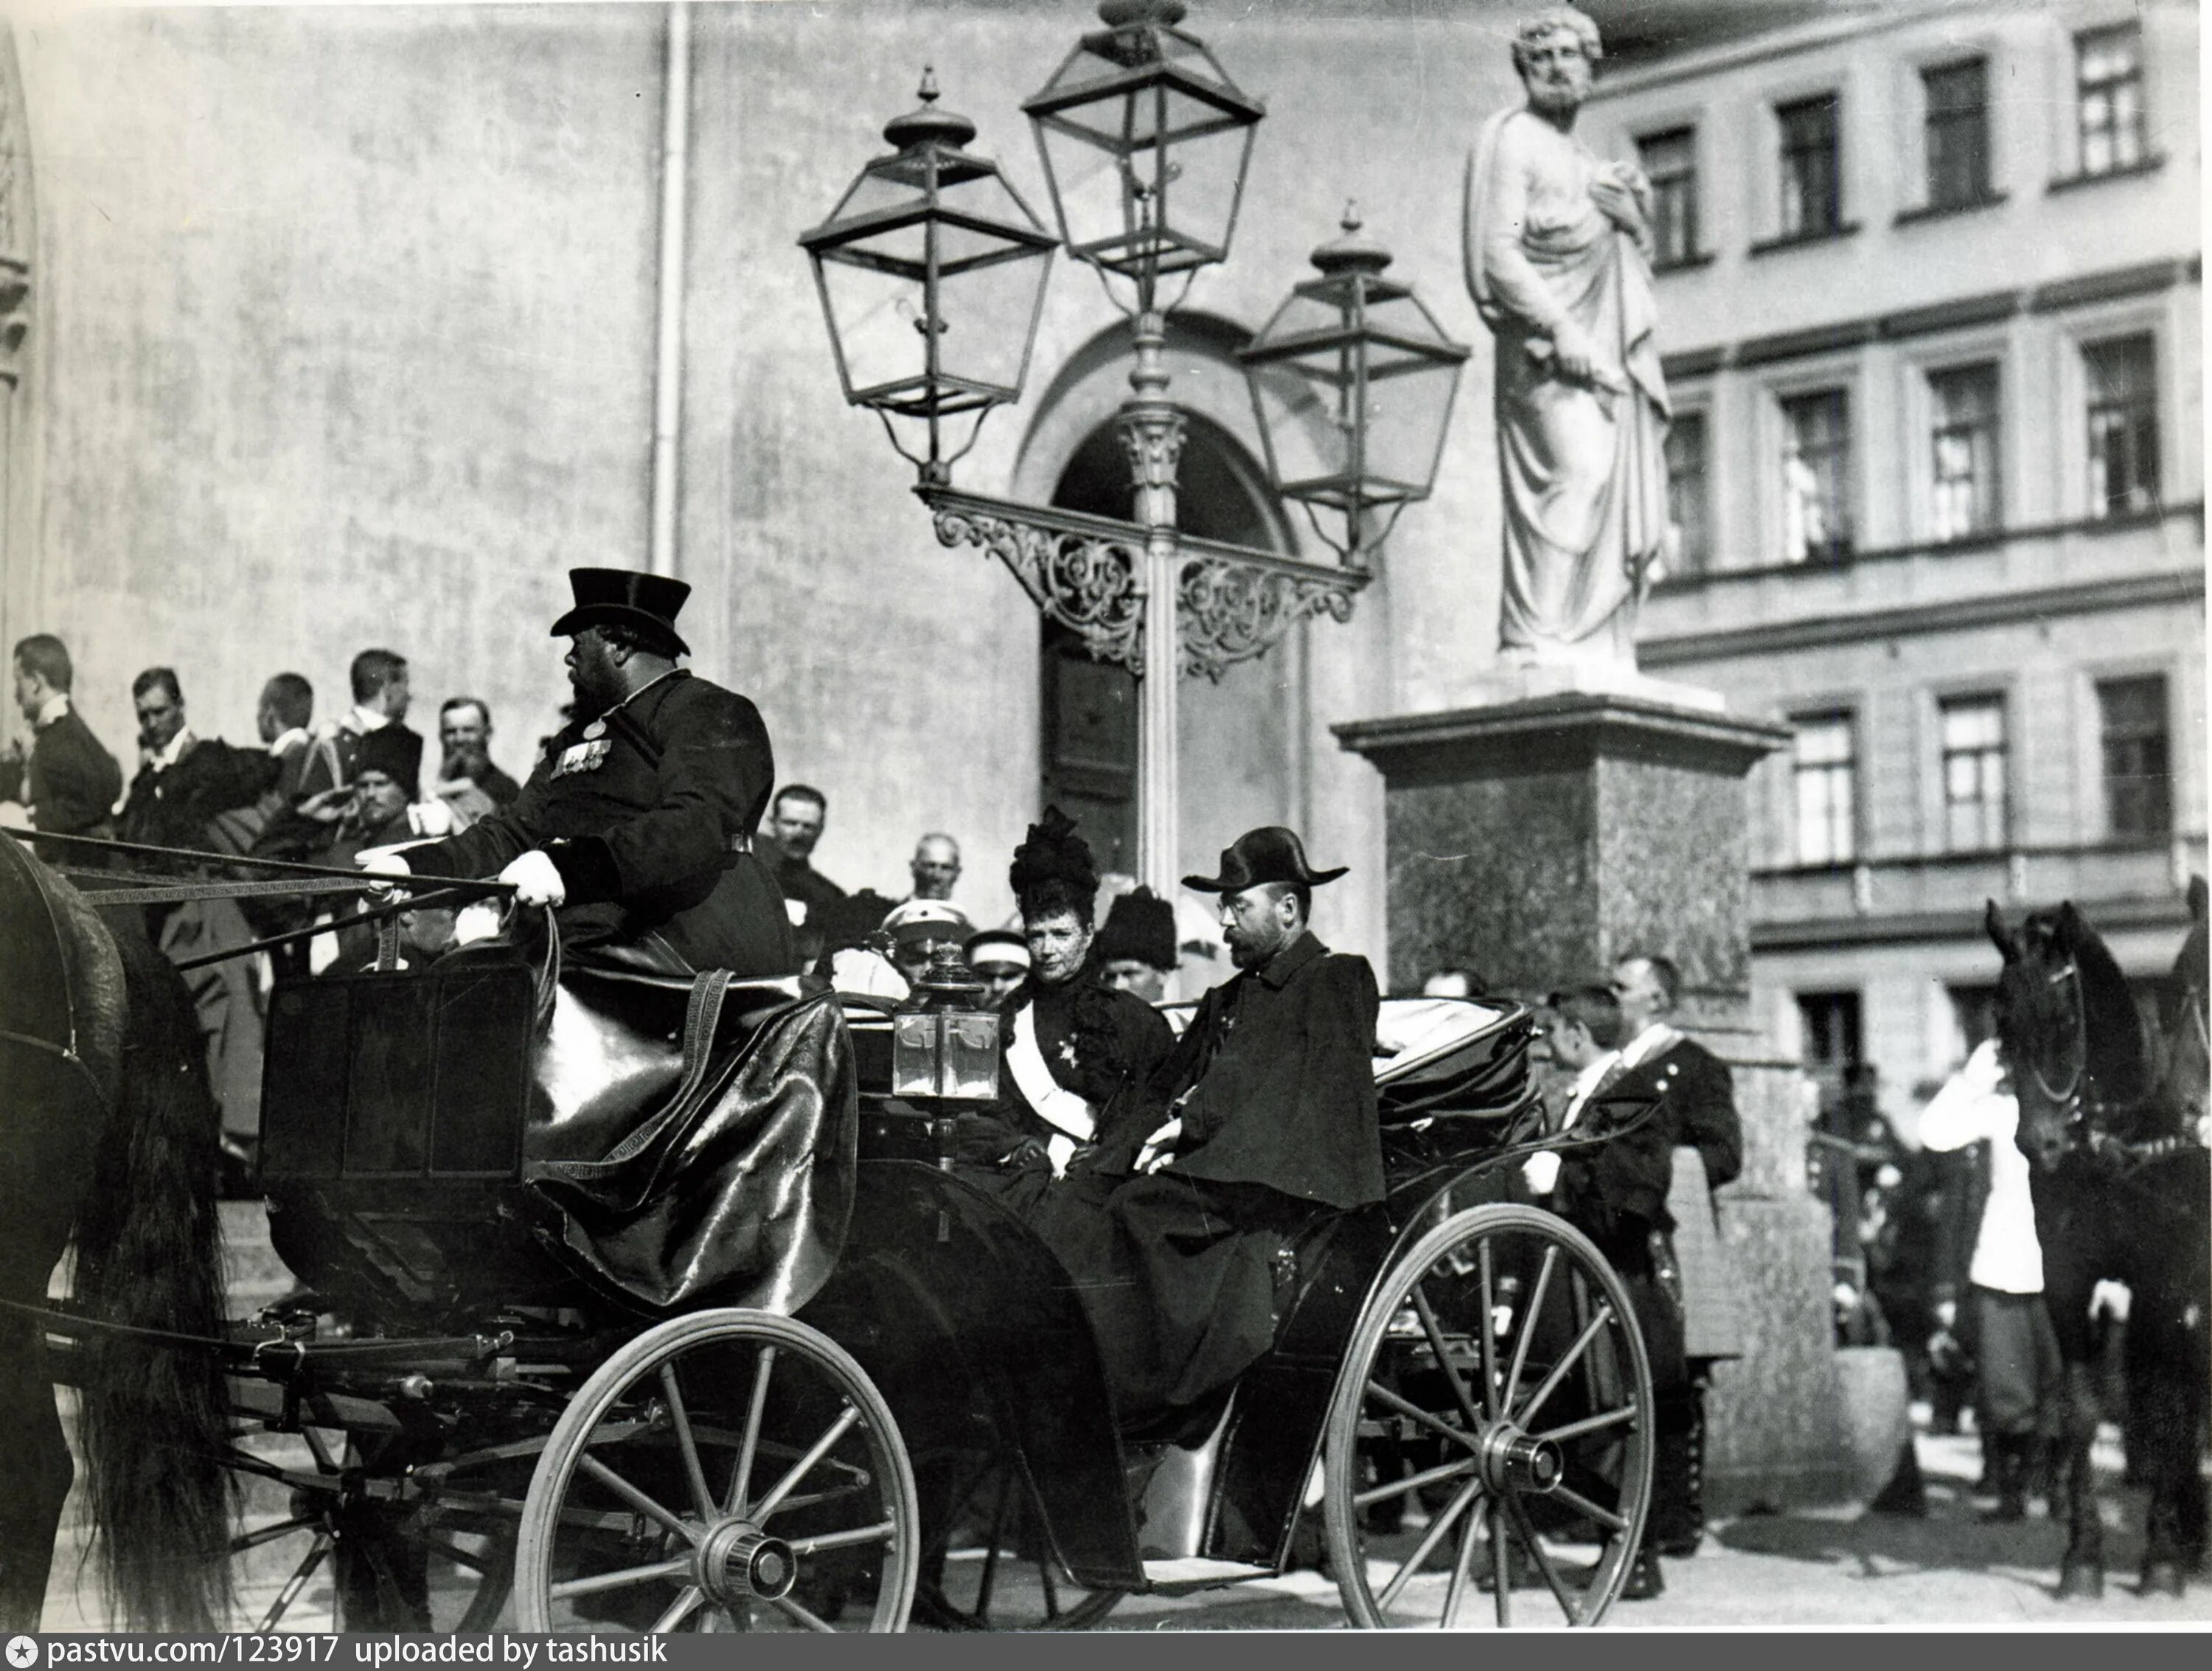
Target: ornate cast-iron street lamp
(932, 273)
(1145, 142)
(1352, 383)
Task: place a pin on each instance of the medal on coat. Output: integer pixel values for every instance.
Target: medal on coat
(597, 729)
(581, 757)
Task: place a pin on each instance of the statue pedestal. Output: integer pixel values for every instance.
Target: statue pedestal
(1538, 839)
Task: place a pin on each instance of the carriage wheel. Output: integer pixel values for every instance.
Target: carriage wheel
(989, 1567)
(725, 1471)
(311, 1547)
(1499, 1367)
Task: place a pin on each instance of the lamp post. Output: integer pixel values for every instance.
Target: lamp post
(1145, 142)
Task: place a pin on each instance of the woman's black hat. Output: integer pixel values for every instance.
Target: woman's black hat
(624, 597)
(1269, 854)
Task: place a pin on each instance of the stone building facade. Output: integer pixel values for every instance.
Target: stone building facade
(1932, 294)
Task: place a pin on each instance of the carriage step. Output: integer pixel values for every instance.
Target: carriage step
(1197, 1572)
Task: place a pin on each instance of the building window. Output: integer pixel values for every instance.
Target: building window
(1965, 403)
(1958, 134)
(2138, 793)
(1973, 773)
(2108, 82)
(2122, 376)
(1811, 167)
(1685, 492)
(1827, 789)
(1816, 469)
(1670, 162)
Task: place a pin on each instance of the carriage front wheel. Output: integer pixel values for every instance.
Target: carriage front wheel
(729, 1470)
(1491, 1432)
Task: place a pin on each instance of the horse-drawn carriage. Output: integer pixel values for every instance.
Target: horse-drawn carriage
(763, 1356)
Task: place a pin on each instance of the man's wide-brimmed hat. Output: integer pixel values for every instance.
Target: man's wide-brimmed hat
(1269, 854)
(623, 597)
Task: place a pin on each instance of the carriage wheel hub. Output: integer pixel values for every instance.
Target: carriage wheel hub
(1514, 1461)
(739, 1562)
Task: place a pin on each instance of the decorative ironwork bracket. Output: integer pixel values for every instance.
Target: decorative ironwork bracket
(1087, 573)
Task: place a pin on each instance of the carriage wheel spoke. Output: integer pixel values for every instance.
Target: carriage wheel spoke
(1604, 1418)
(791, 1609)
(297, 1582)
(475, 1563)
(1464, 1466)
(989, 1580)
(741, 1477)
(319, 1450)
(1486, 1332)
(1051, 1587)
(282, 1529)
(1501, 1566)
(680, 1419)
(678, 1610)
(621, 1579)
(852, 1540)
(804, 1465)
(1573, 1355)
(1429, 1539)
(1462, 1566)
(1542, 1557)
(1430, 1327)
(1528, 1316)
(637, 1499)
(1412, 1411)
(1581, 1506)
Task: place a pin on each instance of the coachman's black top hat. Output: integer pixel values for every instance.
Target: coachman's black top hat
(623, 597)
(1269, 854)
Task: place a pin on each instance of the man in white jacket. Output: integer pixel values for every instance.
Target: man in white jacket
(2021, 1375)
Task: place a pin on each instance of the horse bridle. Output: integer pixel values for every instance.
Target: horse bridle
(2075, 1108)
(2069, 1099)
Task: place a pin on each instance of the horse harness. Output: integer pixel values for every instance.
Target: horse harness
(2087, 1116)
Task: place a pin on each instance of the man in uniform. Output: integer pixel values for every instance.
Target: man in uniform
(1270, 1113)
(68, 780)
(637, 824)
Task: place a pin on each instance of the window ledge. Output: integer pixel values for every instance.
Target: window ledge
(2149, 165)
(1686, 263)
(1802, 240)
(1945, 211)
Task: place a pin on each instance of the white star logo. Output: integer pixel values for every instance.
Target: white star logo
(22, 1652)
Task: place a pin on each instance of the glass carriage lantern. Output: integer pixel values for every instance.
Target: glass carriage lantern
(1352, 382)
(1145, 141)
(945, 1038)
(931, 272)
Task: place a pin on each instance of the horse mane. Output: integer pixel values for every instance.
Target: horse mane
(2118, 1057)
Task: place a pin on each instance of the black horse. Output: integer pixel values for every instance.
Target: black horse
(109, 1135)
(2121, 1187)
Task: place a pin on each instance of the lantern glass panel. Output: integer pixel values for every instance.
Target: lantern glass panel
(1300, 405)
(1176, 207)
(970, 1043)
(876, 318)
(914, 1055)
(1409, 401)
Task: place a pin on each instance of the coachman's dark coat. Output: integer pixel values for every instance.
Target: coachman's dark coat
(650, 817)
(70, 782)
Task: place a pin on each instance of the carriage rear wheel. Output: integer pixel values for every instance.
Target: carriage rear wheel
(991, 1566)
(1497, 1396)
(731, 1470)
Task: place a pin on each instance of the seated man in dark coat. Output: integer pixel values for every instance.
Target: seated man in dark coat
(1270, 1110)
(638, 822)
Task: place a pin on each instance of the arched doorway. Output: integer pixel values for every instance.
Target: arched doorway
(1234, 735)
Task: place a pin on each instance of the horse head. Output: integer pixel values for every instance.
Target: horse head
(2068, 1026)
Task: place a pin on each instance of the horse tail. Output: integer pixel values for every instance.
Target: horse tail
(150, 1255)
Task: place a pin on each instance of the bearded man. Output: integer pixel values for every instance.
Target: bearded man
(637, 824)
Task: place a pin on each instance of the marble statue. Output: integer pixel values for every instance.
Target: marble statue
(1558, 258)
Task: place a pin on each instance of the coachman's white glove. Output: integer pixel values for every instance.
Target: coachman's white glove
(383, 861)
(536, 879)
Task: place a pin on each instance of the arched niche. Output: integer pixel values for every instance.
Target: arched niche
(1242, 739)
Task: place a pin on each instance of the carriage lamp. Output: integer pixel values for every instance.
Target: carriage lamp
(1352, 383)
(945, 1037)
(1145, 141)
(931, 271)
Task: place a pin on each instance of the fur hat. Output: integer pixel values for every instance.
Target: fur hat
(1140, 925)
(1053, 869)
(394, 751)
